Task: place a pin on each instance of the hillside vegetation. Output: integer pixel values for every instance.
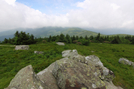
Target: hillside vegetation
(11, 60)
(47, 31)
(108, 49)
(53, 31)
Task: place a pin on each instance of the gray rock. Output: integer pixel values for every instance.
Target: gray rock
(105, 71)
(66, 53)
(71, 74)
(60, 43)
(38, 52)
(69, 53)
(26, 79)
(77, 71)
(110, 85)
(132, 64)
(93, 59)
(47, 77)
(22, 47)
(126, 62)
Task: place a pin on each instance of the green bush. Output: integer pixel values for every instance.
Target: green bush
(84, 42)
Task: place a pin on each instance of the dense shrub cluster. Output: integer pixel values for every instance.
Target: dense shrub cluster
(21, 39)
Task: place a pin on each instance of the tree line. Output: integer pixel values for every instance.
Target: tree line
(25, 39)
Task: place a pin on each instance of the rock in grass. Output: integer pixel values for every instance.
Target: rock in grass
(22, 47)
(60, 43)
(79, 72)
(47, 77)
(74, 71)
(26, 79)
(68, 53)
(126, 61)
(38, 52)
(71, 74)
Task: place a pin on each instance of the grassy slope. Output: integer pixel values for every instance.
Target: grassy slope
(11, 61)
(79, 32)
(70, 31)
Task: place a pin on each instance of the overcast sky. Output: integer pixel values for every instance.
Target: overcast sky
(98, 14)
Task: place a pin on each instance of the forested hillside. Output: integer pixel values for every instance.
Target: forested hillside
(47, 31)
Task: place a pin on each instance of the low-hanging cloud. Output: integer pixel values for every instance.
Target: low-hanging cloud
(101, 14)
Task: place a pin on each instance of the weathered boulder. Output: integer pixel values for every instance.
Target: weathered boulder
(22, 47)
(60, 43)
(47, 77)
(38, 52)
(93, 59)
(126, 61)
(69, 53)
(26, 79)
(77, 72)
(66, 53)
(71, 74)
(74, 71)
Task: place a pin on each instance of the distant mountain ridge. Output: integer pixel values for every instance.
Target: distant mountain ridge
(47, 31)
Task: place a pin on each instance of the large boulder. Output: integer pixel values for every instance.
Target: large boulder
(22, 47)
(126, 61)
(74, 71)
(77, 72)
(26, 79)
(60, 43)
(71, 74)
(69, 53)
(47, 77)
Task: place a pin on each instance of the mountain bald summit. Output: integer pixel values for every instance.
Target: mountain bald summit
(73, 71)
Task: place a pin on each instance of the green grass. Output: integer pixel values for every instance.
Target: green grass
(11, 61)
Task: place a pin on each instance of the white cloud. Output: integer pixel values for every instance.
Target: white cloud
(84, 4)
(90, 13)
(10, 2)
(115, 6)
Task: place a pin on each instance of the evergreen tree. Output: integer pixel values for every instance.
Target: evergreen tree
(62, 37)
(5, 40)
(76, 38)
(132, 40)
(22, 38)
(73, 38)
(53, 38)
(86, 37)
(49, 39)
(107, 38)
(81, 37)
(116, 40)
(31, 39)
(98, 37)
(91, 37)
(128, 37)
(68, 39)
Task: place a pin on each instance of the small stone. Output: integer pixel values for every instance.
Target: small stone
(60, 43)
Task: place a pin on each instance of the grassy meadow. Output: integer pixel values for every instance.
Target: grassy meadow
(11, 60)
